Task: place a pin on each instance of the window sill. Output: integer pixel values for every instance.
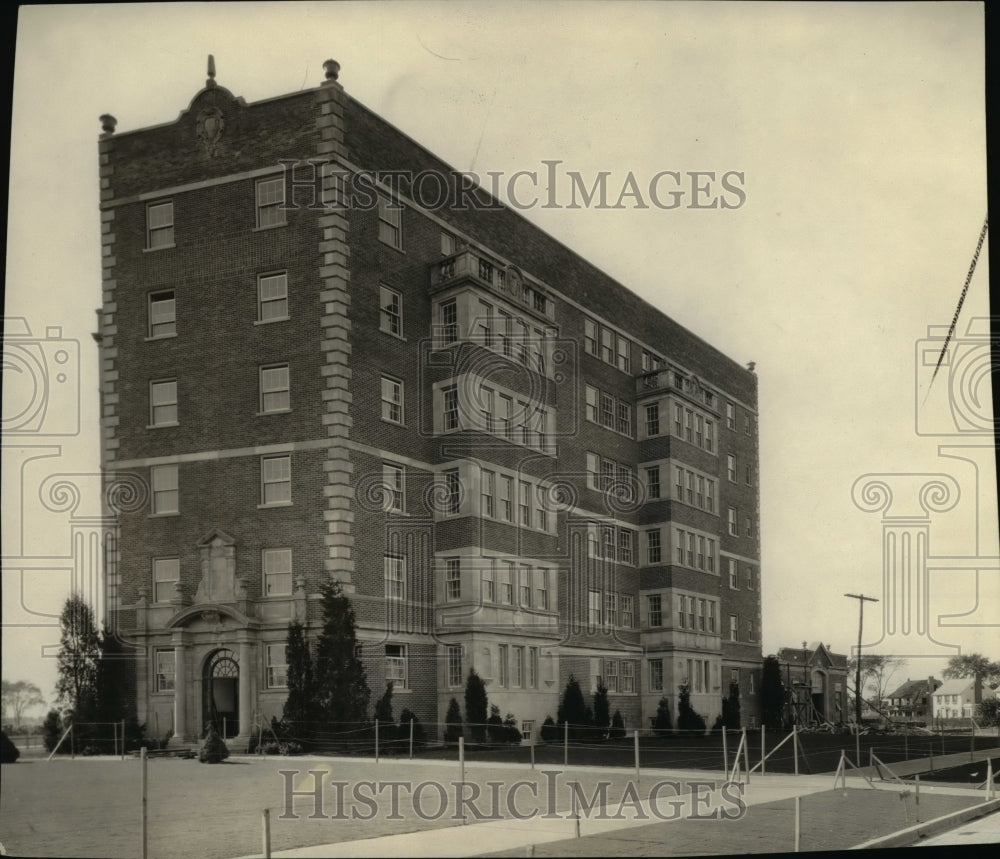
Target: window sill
(273, 412)
(260, 229)
(269, 321)
(393, 423)
(396, 248)
(159, 337)
(163, 426)
(274, 504)
(397, 337)
(165, 515)
(158, 248)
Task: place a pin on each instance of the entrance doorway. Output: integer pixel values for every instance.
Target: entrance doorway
(221, 693)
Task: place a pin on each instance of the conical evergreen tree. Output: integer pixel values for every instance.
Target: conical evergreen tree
(342, 694)
(300, 705)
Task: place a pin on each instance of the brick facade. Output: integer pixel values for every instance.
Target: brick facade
(358, 474)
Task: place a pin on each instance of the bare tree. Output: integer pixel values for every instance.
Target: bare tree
(17, 697)
(876, 676)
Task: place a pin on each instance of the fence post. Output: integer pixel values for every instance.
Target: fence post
(857, 744)
(565, 743)
(225, 728)
(906, 747)
(461, 774)
(636, 735)
(532, 754)
(411, 739)
(144, 851)
(871, 756)
(795, 747)
(725, 751)
(72, 741)
(123, 739)
(972, 741)
(763, 748)
(376, 741)
(266, 821)
(798, 822)
(114, 728)
(917, 794)
(746, 754)
(576, 815)
(989, 779)
(932, 754)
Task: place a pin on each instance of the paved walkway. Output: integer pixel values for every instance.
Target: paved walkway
(830, 819)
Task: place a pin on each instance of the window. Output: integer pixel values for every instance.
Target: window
(750, 682)
(166, 496)
(653, 482)
(656, 675)
(392, 400)
(524, 504)
(542, 588)
(274, 389)
(162, 314)
(611, 675)
(624, 419)
(628, 611)
(390, 311)
(453, 580)
(166, 574)
(449, 244)
(271, 202)
(611, 609)
(608, 540)
(272, 297)
(628, 676)
(160, 225)
(690, 612)
(392, 483)
(734, 634)
(746, 424)
(590, 336)
(506, 427)
(502, 666)
(506, 498)
(749, 578)
(484, 324)
(625, 546)
(164, 670)
(395, 665)
(277, 666)
(507, 583)
(490, 581)
(730, 416)
(454, 664)
(277, 564)
(449, 322)
(709, 435)
(395, 577)
(607, 346)
(163, 403)
(390, 222)
(518, 672)
(532, 667)
(593, 471)
(654, 603)
(749, 630)
(504, 329)
(748, 529)
(608, 471)
(652, 419)
(731, 467)
(624, 362)
(487, 494)
(701, 615)
(592, 394)
(527, 729)
(734, 529)
(450, 408)
(607, 410)
(734, 579)
(734, 675)
(681, 613)
(524, 587)
(276, 479)
(452, 492)
(711, 616)
(653, 547)
(594, 605)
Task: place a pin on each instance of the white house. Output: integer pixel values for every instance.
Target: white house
(956, 699)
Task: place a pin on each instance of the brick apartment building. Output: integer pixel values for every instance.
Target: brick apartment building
(509, 460)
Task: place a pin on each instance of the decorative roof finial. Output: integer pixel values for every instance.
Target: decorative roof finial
(751, 366)
(211, 71)
(108, 123)
(332, 68)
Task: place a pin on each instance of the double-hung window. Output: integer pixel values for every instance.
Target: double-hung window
(166, 495)
(277, 565)
(275, 390)
(163, 402)
(276, 479)
(162, 314)
(165, 670)
(392, 400)
(395, 665)
(392, 485)
(160, 225)
(277, 666)
(271, 202)
(395, 577)
(653, 547)
(449, 322)
(652, 419)
(453, 580)
(451, 408)
(654, 603)
(272, 297)
(390, 311)
(390, 222)
(452, 492)
(166, 574)
(488, 494)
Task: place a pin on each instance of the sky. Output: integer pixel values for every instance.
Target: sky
(858, 131)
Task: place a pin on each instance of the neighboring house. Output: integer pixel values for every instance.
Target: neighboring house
(817, 680)
(912, 700)
(957, 699)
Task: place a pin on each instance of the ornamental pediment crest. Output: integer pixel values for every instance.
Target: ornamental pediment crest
(209, 126)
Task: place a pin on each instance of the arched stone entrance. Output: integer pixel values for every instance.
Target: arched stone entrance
(221, 693)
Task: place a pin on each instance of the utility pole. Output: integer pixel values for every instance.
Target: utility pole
(862, 599)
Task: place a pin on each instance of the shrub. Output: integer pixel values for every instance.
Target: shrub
(550, 732)
(383, 707)
(476, 703)
(662, 724)
(452, 722)
(494, 726)
(574, 710)
(52, 730)
(687, 718)
(214, 749)
(419, 736)
(512, 733)
(9, 753)
(602, 712)
(617, 726)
